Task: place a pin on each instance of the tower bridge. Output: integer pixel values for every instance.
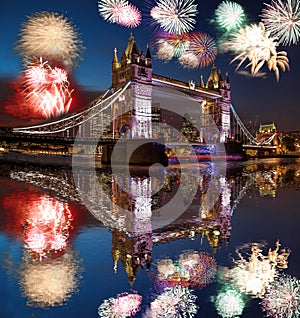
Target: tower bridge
(127, 111)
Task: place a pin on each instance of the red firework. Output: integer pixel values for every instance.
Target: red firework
(42, 221)
(42, 92)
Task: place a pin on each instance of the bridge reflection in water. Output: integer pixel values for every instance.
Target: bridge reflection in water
(133, 249)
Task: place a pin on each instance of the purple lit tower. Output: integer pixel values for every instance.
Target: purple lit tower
(218, 108)
(134, 118)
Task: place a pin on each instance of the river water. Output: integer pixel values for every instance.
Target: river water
(214, 240)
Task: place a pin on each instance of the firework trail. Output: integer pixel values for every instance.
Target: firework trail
(52, 37)
(282, 20)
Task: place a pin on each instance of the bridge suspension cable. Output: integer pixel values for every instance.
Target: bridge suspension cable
(98, 105)
(246, 132)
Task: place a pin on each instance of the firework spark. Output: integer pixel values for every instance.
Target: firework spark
(175, 16)
(229, 16)
(120, 12)
(165, 51)
(282, 298)
(282, 20)
(253, 43)
(125, 305)
(51, 36)
(173, 302)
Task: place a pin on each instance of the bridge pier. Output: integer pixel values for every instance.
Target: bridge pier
(132, 152)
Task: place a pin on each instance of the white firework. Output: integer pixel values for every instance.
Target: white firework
(175, 16)
(110, 10)
(255, 44)
(282, 19)
(52, 37)
(229, 15)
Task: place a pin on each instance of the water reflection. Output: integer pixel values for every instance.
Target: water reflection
(44, 221)
(175, 301)
(229, 302)
(133, 234)
(49, 269)
(124, 305)
(253, 270)
(282, 297)
(50, 282)
(191, 269)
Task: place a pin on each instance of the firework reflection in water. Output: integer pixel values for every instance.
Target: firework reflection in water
(50, 282)
(192, 269)
(253, 274)
(176, 302)
(282, 298)
(125, 305)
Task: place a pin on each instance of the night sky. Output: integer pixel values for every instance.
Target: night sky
(257, 100)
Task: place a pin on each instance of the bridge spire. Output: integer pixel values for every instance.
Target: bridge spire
(115, 58)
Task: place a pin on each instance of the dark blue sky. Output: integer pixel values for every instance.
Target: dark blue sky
(263, 99)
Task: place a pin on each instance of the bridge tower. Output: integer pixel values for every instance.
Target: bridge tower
(221, 108)
(133, 118)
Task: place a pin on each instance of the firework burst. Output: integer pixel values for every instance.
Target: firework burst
(120, 12)
(173, 302)
(229, 16)
(282, 19)
(125, 305)
(175, 16)
(203, 46)
(282, 298)
(47, 90)
(51, 36)
(255, 44)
